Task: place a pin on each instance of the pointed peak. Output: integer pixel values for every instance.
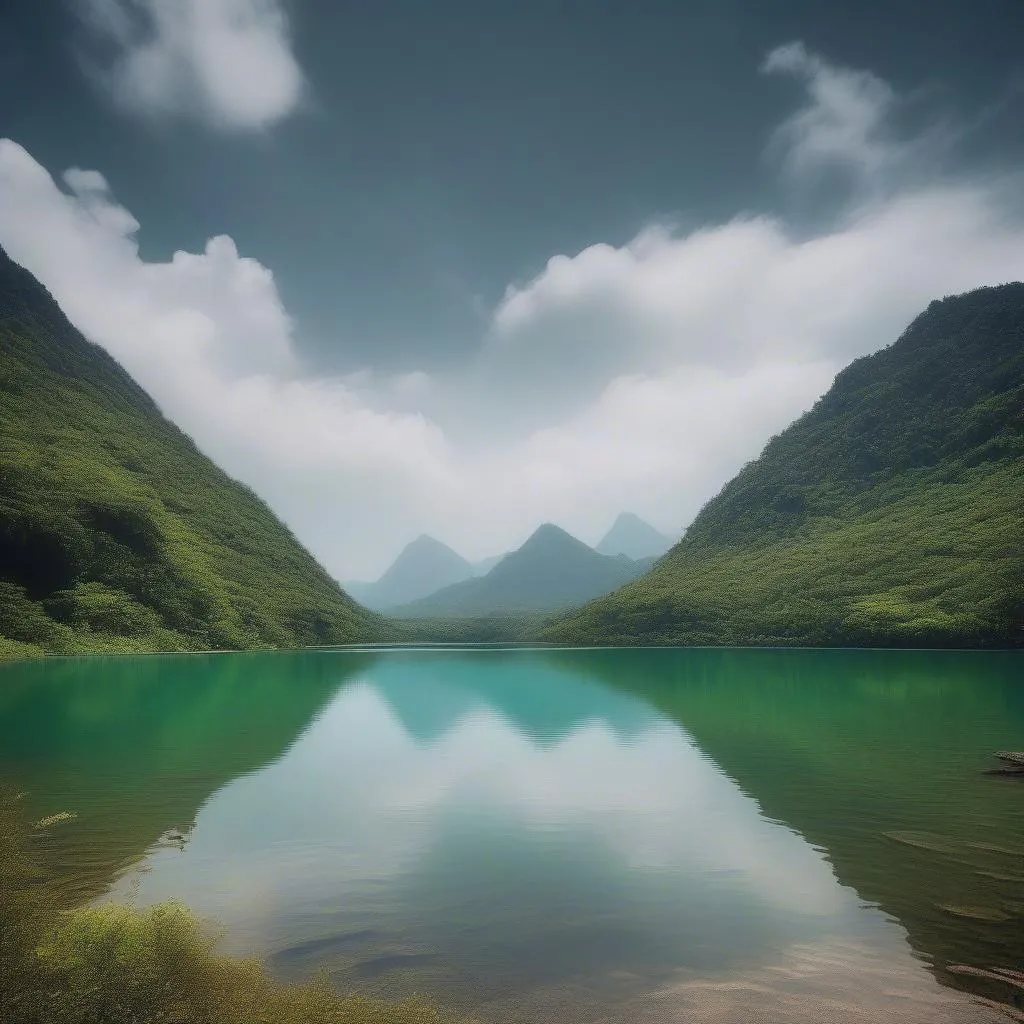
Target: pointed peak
(628, 518)
(548, 536)
(550, 529)
(632, 536)
(422, 566)
(425, 540)
(425, 545)
(548, 532)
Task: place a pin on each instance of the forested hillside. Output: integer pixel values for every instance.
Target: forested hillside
(116, 533)
(892, 513)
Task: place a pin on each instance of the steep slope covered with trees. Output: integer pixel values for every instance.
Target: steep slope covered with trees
(892, 513)
(116, 532)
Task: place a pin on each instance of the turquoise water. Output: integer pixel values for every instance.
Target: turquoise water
(546, 835)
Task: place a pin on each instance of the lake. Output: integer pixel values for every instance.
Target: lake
(547, 835)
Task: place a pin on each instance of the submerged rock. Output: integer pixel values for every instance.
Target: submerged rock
(976, 913)
(924, 840)
(1013, 763)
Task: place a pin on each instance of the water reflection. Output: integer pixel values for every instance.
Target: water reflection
(135, 746)
(619, 835)
(877, 758)
(526, 829)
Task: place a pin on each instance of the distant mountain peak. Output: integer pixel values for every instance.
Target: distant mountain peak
(630, 519)
(422, 566)
(552, 569)
(549, 537)
(550, 530)
(633, 537)
(424, 540)
(423, 553)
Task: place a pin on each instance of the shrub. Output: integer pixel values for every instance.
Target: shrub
(118, 964)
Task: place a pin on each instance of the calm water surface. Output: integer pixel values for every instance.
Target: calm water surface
(552, 835)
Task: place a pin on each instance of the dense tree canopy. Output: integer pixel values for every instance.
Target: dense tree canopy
(116, 533)
(889, 514)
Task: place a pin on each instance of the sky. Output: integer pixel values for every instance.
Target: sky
(463, 268)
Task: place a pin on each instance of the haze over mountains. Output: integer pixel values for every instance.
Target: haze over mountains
(551, 570)
(427, 565)
(632, 537)
(423, 566)
(485, 565)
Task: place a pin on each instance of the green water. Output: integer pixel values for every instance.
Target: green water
(552, 835)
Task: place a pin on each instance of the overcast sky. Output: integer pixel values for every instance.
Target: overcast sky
(461, 268)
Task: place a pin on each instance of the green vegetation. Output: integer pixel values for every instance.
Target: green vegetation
(877, 758)
(889, 515)
(122, 965)
(116, 533)
(481, 629)
(137, 745)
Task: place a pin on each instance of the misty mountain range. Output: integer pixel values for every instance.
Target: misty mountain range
(430, 578)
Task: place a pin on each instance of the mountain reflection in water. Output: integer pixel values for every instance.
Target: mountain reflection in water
(601, 835)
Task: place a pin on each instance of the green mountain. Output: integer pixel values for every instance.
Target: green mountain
(551, 570)
(631, 536)
(423, 567)
(116, 532)
(890, 514)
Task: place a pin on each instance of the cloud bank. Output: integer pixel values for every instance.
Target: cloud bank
(226, 62)
(640, 377)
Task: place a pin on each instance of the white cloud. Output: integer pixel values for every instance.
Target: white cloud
(845, 120)
(228, 62)
(849, 125)
(646, 801)
(743, 295)
(639, 377)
